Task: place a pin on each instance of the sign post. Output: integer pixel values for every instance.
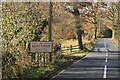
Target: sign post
(44, 59)
(43, 47)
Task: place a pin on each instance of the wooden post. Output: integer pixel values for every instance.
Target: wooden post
(44, 59)
(78, 49)
(38, 59)
(70, 49)
(60, 49)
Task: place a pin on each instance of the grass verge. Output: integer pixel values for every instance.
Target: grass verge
(52, 69)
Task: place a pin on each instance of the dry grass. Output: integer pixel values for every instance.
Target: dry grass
(79, 54)
(69, 42)
(116, 42)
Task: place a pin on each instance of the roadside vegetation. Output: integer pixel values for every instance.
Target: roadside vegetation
(26, 22)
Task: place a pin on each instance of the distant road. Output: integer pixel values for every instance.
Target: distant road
(101, 63)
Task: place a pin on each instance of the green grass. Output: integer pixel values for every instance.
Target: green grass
(79, 54)
(119, 44)
(59, 62)
(36, 72)
(67, 41)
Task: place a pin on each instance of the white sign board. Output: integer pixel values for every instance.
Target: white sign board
(41, 47)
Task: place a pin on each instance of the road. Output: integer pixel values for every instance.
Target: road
(101, 63)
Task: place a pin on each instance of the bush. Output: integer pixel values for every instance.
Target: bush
(59, 62)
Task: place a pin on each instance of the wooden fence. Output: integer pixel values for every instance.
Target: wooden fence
(70, 49)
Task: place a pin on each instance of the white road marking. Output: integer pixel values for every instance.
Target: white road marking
(58, 74)
(76, 62)
(106, 50)
(105, 70)
(115, 46)
(106, 59)
(95, 49)
(106, 54)
(105, 46)
(70, 66)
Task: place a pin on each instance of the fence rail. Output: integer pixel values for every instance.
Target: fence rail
(70, 49)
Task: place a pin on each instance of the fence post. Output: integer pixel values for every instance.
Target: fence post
(38, 59)
(78, 49)
(70, 49)
(60, 49)
(44, 59)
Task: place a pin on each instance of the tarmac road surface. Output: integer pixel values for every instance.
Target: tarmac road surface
(101, 63)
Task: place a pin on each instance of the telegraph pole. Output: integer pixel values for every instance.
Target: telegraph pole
(50, 26)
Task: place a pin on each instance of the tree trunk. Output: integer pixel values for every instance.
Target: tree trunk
(95, 25)
(50, 26)
(95, 32)
(79, 31)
